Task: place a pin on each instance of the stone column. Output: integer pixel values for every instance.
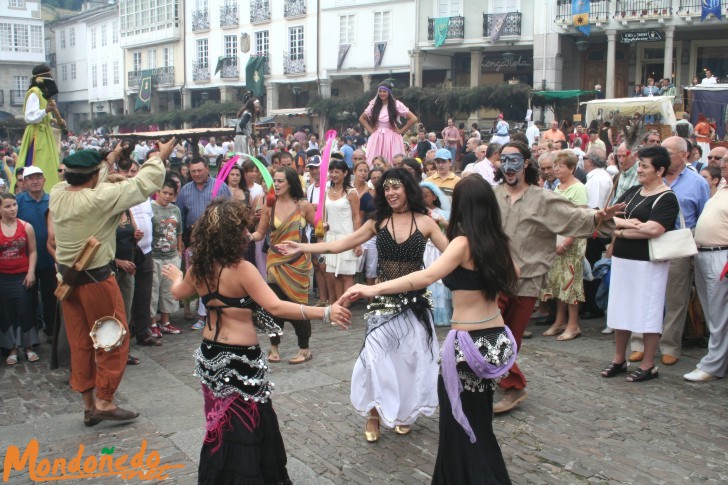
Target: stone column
(186, 99)
(669, 38)
(611, 54)
(227, 94)
(325, 87)
(271, 96)
(418, 56)
(476, 57)
(367, 80)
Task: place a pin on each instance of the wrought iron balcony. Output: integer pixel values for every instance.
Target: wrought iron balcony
(598, 11)
(455, 28)
(693, 8)
(200, 20)
(293, 64)
(293, 8)
(229, 15)
(638, 9)
(511, 25)
(17, 97)
(200, 71)
(160, 76)
(259, 11)
(230, 68)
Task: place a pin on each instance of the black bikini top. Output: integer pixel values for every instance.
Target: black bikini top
(463, 279)
(229, 302)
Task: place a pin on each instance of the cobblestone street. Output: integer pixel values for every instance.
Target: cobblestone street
(575, 427)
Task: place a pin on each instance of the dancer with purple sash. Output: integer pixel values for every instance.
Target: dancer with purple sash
(477, 267)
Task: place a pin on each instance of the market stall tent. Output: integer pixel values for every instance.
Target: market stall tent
(605, 109)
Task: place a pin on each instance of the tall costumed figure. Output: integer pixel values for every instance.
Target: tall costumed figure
(40, 145)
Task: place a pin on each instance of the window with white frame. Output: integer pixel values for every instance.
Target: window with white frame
(103, 35)
(448, 8)
(151, 58)
(93, 38)
(382, 26)
(115, 32)
(64, 73)
(262, 43)
(72, 37)
(116, 72)
(347, 29)
(62, 34)
(231, 45)
(295, 43)
(506, 6)
(168, 57)
(73, 71)
(36, 38)
(136, 60)
(6, 37)
(201, 51)
(104, 74)
(138, 16)
(17, 3)
(94, 76)
(20, 38)
(20, 83)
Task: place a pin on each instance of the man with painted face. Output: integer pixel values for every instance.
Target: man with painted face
(532, 217)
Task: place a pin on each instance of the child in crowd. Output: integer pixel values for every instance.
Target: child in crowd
(166, 249)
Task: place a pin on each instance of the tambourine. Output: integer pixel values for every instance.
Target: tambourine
(108, 333)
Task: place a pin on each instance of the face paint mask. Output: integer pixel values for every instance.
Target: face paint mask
(512, 162)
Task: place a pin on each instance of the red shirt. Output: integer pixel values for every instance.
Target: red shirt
(14, 251)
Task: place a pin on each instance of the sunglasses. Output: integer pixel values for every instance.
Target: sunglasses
(60, 170)
(711, 157)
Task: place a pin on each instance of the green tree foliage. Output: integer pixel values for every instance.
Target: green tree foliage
(207, 115)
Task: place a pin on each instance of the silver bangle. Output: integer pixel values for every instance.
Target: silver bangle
(303, 313)
(327, 314)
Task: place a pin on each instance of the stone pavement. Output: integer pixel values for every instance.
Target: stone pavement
(575, 427)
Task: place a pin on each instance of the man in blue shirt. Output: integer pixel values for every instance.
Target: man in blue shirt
(32, 208)
(345, 150)
(692, 192)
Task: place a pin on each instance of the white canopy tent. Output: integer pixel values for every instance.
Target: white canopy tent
(605, 109)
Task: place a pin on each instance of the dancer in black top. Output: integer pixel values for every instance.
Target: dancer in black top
(243, 443)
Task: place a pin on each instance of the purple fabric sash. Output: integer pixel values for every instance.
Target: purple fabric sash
(481, 368)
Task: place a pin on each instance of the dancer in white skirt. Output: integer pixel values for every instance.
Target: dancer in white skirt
(637, 285)
(395, 377)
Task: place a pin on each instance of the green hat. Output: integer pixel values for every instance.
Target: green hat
(83, 161)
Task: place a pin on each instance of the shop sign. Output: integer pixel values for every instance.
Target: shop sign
(640, 36)
(498, 64)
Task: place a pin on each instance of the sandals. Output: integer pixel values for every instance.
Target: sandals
(569, 336)
(131, 360)
(273, 357)
(615, 369)
(372, 436)
(31, 356)
(300, 358)
(12, 359)
(554, 329)
(641, 374)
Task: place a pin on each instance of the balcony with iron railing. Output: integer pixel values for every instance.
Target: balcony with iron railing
(455, 28)
(693, 8)
(200, 71)
(294, 8)
(511, 25)
(200, 20)
(293, 63)
(230, 68)
(641, 9)
(229, 15)
(259, 11)
(161, 76)
(599, 12)
(17, 97)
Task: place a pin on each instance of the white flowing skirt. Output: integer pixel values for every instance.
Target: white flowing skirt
(399, 381)
(637, 295)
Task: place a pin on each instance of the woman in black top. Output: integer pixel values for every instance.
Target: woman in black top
(637, 285)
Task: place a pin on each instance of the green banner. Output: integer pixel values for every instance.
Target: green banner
(441, 25)
(255, 74)
(145, 90)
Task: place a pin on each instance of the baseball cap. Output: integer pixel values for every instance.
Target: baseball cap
(314, 161)
(32, 170)
(443, 153)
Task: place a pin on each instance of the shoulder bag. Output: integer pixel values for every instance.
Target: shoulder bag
(675, 244)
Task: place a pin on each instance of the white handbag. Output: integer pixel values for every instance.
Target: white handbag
(675, 244)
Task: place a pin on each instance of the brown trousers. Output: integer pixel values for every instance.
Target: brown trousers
(91, 368)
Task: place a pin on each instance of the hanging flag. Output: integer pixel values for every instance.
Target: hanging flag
(221, 63)
(441, 24)
(379, 49)
(580, 13)
(709, 7)
(497, 23)
(145, 90)
(343, 50)
(255, 74)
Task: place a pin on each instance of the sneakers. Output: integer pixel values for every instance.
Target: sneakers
(155, 331)
(198, 325)
(699, 376)
(607, 330)
(511, 398)
(170, 329)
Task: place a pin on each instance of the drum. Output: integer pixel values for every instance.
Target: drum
(108, 333)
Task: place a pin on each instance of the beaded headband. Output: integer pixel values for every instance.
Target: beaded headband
(392, 181)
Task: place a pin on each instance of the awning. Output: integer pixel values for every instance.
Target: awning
(553, 95)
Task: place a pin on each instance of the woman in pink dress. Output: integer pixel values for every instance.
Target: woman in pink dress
(380, 120)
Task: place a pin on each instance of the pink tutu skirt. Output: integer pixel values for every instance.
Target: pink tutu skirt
(385, 143)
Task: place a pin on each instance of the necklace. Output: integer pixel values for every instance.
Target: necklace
(9, 225)
(485, 320)
(644, 198)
